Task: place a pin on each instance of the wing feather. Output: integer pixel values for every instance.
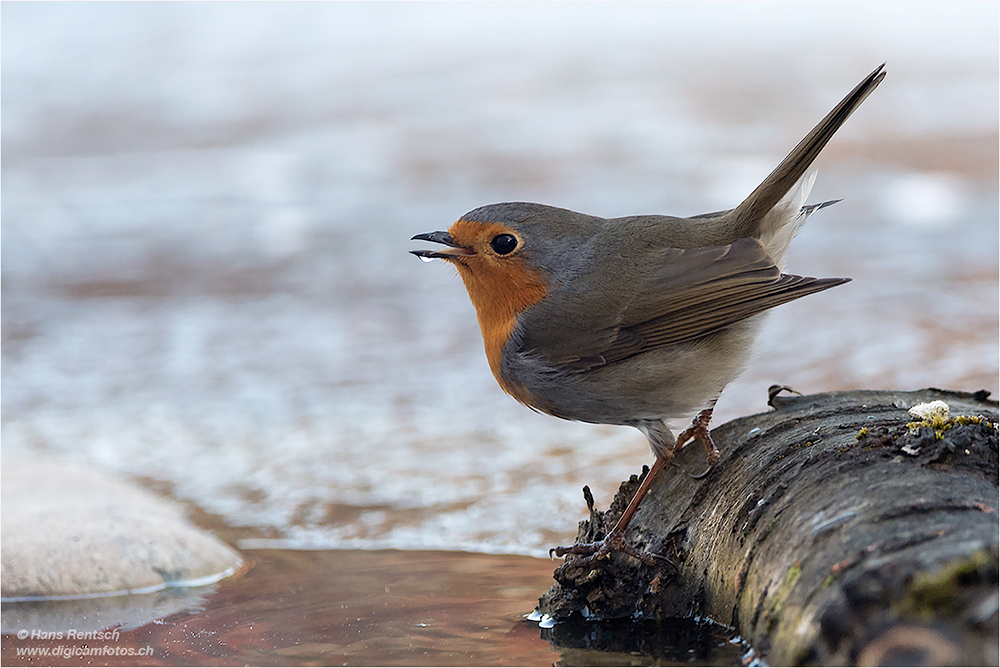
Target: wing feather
(689, 294)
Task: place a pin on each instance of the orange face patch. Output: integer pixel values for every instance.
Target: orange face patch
(500, 286)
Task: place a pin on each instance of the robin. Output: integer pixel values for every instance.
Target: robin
(635, 320)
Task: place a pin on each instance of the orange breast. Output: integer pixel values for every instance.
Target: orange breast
(500, 289)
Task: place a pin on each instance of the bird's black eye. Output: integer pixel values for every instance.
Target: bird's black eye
(503, 244)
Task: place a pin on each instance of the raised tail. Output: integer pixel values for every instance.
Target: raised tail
(748, 214)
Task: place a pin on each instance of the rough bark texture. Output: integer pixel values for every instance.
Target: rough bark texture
(835, 530)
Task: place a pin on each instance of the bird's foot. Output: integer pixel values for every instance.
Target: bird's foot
(586, 553)
(699, 430)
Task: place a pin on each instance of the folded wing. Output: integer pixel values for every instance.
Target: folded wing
(688, 294)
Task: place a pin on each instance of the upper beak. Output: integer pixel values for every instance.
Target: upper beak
(440, 238)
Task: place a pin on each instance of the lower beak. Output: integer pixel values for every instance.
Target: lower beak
(440, 238)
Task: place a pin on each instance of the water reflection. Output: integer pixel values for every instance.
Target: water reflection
(667, 642)
(96, 613)
(390, 608)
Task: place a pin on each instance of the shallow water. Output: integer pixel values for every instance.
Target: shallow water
(207, 210)
(389, 608)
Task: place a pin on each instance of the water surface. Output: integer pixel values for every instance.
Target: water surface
(386, 608)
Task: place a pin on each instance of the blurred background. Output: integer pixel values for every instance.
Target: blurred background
(206, 211)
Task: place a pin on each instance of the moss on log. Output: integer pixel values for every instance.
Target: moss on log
(837, 529)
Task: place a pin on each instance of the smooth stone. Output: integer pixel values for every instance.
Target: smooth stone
(70, 531)
(103, 612)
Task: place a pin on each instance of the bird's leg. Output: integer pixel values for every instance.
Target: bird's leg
(615, 540)
(664, 448)
(699, 430)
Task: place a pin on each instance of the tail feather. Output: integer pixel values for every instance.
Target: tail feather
(780, 225)
(749, 213)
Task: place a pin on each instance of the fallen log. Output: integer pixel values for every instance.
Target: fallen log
(837, 529)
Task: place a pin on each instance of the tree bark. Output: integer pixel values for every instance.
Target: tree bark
(836, 529)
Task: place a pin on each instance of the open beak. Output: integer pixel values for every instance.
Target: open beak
(440, 238)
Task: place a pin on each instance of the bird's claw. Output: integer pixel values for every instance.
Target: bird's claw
(703, 474)
(699, 430)
(580, 549)
(586, 553)
(713, 459)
